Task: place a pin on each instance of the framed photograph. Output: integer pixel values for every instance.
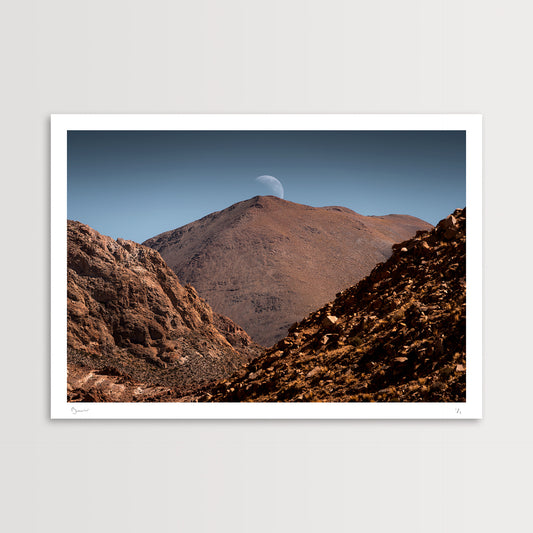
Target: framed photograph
(266, 266)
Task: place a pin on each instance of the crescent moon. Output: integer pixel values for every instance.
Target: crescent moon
(273, 183)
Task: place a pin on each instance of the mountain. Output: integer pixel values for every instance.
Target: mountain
(267, 262)
(134, 333)
(398, 335)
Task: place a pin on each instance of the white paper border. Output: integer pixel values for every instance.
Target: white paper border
(470, 409)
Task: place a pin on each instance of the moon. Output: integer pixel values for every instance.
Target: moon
(273, 183)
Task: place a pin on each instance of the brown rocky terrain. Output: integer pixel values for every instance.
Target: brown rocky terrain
(267, 262)
(134, 333)
(398, 335)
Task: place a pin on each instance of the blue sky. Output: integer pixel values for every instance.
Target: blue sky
(137, 184)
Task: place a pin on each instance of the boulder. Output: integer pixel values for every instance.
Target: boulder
(329, 321)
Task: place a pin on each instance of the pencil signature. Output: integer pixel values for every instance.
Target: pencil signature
(75, 411)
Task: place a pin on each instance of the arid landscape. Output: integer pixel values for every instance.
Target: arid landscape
(267, 262)
(270, 301)
(134, 332)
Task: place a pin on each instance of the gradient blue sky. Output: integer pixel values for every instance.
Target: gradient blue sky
(137, 184)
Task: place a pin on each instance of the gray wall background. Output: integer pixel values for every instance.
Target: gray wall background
(278, 56)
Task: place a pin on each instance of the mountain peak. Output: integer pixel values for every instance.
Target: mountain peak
(266, 262)
(265, 201)
(268, 201)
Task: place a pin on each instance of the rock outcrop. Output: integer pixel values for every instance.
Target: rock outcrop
(137, 329)
(267, 262)
(398, 335)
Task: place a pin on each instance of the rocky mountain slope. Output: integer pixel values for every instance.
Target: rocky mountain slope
(398, 335)
(134, 333)
(267, 262)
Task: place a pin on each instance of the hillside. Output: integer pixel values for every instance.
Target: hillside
(134, 333)
(267, 262)
(398, 335)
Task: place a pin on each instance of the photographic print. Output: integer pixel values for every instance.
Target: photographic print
(266, 266)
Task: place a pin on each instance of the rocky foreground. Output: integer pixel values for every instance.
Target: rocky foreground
(134, 333)
(398, 335)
